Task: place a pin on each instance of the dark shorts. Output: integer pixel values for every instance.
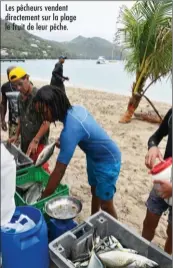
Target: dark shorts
(158, 206)
(104, 177)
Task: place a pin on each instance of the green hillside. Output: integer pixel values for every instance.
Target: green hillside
(22, 44)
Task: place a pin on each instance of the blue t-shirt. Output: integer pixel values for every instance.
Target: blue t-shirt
(80, 128)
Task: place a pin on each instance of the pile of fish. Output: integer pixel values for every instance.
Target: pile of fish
(31, 191)
(109, 253)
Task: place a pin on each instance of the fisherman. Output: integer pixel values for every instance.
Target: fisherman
(10, 95)
(156, 205)
(33, 129)
(57, 74)
(80, 128)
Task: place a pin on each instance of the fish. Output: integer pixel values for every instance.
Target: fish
(82, 258)
(111, 243)
(45, 154)
(118, 259)
(109, 253)
(25, 186)
(94, 262)
(34, 193)
(81, 264)
(114, 242)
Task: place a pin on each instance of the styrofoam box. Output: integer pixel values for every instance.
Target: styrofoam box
(73, 243)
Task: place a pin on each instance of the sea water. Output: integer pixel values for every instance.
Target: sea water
(109, 77)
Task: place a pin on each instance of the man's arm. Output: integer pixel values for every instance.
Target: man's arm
(162, 131)
(18, 129)
(69, 139)
(42, 131)
(3, 107)
(154, 140)
(67, 148)
(55, 179)
(34, 143)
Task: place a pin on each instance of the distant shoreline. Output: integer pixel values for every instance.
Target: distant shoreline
(40, 82)
(23, 59)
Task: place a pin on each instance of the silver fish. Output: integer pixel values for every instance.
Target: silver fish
(34, 193)
(45, 154)
(116, 258)
(81, 264)
(115, 244)
(82, 258)
(111, 243)
(25, 186)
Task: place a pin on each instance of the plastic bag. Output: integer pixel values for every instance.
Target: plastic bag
(8, 185)
(23, 224)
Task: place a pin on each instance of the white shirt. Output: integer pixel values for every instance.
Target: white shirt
(8, 185)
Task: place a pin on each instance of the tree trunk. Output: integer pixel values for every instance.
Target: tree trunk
(132, 106)
(134, 100)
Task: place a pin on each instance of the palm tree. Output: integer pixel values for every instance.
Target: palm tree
(146, 32)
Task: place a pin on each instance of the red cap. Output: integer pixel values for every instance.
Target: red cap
(161, 166)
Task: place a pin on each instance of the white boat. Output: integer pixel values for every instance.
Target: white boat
(101, 60)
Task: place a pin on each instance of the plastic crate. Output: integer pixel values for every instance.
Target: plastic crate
(73, 243)
(32, 174)
(25, 169)
(22, 160)
(37, 174)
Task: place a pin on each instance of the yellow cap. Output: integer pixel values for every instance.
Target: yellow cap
(16, 74)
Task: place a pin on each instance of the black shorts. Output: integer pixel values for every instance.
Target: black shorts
(158, 206)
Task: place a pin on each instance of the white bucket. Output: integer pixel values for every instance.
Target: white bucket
(163, 171)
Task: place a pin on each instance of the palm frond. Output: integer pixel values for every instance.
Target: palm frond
(146, 32)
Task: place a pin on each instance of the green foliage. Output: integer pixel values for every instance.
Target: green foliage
(147, 34)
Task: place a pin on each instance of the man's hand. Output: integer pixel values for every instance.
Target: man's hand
(55, 179)
(4, 126)
(151, 157)
(165, 189)
(13, 139)
(32, 148)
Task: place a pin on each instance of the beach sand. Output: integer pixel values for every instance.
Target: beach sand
(134, 183)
